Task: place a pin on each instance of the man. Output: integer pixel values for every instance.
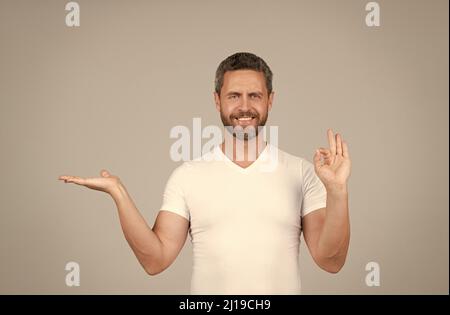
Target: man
(245, 222)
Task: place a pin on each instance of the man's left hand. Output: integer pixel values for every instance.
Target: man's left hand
(333, 165)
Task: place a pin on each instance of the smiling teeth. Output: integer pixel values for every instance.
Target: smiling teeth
(245, 118)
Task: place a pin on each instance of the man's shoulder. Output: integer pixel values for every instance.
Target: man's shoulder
(290, 160)
(206, 159)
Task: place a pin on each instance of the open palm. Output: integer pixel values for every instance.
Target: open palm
(105, 183)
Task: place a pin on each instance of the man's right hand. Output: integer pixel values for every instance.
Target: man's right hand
(155, 248)
(107, 183)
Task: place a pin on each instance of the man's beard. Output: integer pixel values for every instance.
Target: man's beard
(245, 132)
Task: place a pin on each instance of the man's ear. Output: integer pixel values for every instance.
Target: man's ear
(217, 101)
(271, 95)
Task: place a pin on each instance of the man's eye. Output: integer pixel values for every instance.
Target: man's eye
(255, 96)
(233, 96)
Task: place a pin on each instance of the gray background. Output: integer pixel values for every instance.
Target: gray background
(105, 95)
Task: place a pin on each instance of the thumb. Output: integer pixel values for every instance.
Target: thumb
(105, 173)
(317, 163)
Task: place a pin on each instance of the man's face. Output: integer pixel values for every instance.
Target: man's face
(244, 100)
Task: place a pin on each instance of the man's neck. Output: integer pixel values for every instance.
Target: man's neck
(243, 152)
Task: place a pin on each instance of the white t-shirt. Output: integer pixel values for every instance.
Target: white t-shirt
(245, 223)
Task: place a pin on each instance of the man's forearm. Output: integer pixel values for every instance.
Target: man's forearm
(142, 239)
(335, 235)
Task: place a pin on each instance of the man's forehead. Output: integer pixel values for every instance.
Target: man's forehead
(244, 78)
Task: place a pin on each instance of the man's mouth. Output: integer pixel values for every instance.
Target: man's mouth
(245, 120)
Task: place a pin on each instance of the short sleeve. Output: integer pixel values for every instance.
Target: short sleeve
(174, 193)
(314, 192)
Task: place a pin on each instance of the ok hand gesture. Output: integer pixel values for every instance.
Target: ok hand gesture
(333, 165)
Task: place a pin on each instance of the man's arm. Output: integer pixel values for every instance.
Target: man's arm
(327, 232)
(155, 248)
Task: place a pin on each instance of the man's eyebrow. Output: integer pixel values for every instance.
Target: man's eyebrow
(239, 93)
(233, 93)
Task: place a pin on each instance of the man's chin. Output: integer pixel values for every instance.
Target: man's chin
(243, 132)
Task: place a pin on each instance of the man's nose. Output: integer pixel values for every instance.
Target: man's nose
(244, 103)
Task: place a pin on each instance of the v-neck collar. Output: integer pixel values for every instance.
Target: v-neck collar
(264, 155)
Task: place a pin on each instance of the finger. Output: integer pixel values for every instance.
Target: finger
(65, 177)
(325, 152)
(345, 149)
(75, 180)
(317, 163)
(327, 157)
(105, 173)
(338, 144)
(332, 142)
